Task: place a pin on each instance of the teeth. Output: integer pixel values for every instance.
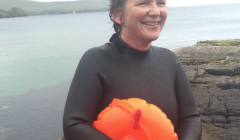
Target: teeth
(151, 23)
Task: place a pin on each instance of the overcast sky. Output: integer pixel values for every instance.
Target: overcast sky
(176, 3)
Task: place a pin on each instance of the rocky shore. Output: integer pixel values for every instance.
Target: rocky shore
(213, 69)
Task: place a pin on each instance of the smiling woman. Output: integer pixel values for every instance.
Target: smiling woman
(130, 67)
(142, 22)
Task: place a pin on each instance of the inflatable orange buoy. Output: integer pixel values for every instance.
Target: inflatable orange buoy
(134, 117)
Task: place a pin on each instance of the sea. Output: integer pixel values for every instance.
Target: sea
(39, 55)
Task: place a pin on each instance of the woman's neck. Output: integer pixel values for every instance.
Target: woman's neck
(137, 44)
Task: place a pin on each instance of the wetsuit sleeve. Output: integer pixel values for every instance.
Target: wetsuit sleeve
(83, 98)
(189, 123)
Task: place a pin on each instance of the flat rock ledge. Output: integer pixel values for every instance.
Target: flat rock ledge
(213, 69)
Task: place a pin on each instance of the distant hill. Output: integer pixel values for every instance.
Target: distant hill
(14, 12)
(39, 8)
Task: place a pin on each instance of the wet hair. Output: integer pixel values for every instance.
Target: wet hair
(116, 5)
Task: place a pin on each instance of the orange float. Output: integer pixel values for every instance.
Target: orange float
(134, 117)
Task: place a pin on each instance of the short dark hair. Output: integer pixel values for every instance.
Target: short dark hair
(120, 6)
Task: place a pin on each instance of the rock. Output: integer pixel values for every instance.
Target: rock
(202, 100)
(191, 75)
(237, 83)
(215, 82)
(219, 119)
(206, 119)
(204, 53)
(233, 108)
(223, 69)
(220, 70)
(217, 108)
(234, 121)
(200, 73)
(223, 82)
(186, 59)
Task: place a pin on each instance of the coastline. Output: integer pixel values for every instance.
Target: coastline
(30, 8)
(213, 69)
(49, 12)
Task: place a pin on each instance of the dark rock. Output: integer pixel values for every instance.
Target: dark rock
(219, 119)
(229, 70)
(218, 132)
(217, 108)
(202, 99)
(220, 70)
(234, 121)
(202, 111)
(206, 119)
(223, 82)
(237, 83)
(233, 108)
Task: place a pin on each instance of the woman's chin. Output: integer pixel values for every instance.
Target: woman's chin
(152, 37)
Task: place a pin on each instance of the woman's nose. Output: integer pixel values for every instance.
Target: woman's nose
(154, 10)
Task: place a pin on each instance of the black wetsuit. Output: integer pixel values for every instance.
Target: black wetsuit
(116, 70)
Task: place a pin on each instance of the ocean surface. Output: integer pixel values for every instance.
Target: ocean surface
(39, 55)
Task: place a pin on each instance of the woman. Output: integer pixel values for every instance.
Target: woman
(129, 67)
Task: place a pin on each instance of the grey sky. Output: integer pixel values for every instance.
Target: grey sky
(176, 3)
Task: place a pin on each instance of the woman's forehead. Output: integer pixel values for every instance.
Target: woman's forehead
(134, 1)
(147, 0)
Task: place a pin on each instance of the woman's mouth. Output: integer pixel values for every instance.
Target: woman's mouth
(151, 23)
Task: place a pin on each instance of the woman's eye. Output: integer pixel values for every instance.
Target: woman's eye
(143, 3)
(160, 3)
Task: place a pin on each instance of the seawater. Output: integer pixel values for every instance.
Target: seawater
(39, 55)
(39, 51)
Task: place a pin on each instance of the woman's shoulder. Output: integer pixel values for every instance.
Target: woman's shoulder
(164, 52)
(98, 51)
(97, 54)
(166, 56)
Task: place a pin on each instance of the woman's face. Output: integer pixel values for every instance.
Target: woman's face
(143, 19)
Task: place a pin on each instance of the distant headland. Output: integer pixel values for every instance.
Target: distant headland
(21, 8)
(14, 12)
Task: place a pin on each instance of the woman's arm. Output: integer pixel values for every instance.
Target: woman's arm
(189, 123)
(83, 99)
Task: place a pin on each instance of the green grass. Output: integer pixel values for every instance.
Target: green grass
(227, 42)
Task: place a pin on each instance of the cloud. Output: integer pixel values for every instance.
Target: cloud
(61, 0)
(176, 3)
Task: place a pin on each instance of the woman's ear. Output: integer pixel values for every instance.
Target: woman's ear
(117, 16)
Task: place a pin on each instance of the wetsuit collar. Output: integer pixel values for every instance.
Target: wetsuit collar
(121, 46)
